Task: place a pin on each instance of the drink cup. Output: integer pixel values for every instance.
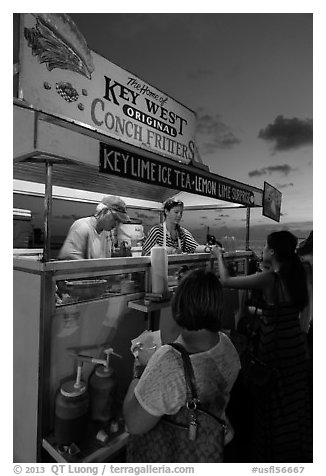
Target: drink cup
(144, 352)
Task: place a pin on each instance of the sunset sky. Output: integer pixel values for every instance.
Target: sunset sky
(249, 78)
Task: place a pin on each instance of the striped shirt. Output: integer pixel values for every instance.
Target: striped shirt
(155, 237)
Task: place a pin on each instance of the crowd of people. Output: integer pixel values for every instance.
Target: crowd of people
(277, 404)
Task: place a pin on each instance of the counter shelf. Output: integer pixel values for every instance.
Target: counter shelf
(97, 453)
(91, 450)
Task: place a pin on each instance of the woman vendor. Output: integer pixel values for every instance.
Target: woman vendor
(178, 239)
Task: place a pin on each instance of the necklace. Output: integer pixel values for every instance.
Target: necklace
(172, 231)
(176, 236)
(173, 234)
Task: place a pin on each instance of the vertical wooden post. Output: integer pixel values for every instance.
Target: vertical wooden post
(47, 212)
(247, 228)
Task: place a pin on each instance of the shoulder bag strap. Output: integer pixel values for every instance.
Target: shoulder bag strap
(277, 289)
(192, 393)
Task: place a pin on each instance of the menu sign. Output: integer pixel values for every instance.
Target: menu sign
(119, 162)
(61, 76)
(272, 199)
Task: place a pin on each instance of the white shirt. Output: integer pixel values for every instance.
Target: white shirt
(161, 389)
(84, 242)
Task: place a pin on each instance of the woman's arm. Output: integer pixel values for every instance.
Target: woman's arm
(253, 281)
(190, 244)
(159, 391)
(137, 419)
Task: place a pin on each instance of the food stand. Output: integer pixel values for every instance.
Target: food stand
(58, 146)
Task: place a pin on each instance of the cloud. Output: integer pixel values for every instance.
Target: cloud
(200, 74)
(284, 185)
(283, 169)
(212, 134)
(288, 133)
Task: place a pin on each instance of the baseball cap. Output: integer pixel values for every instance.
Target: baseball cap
(117, 205)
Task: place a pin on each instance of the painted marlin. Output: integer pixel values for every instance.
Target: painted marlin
(58, 43)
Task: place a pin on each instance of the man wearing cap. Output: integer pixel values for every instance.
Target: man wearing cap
(91, 237)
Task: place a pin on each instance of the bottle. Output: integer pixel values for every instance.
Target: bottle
(226, 243)
(159, 269)
(232, 245)
(71, 411)
(103, 391)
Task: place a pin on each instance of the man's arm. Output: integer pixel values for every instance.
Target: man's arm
(75, 245)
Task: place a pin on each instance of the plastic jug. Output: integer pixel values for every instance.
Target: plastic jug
(71, 411)
(159, 269)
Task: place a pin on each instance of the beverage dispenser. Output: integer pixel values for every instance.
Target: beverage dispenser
(71, 410)
(77, 403)
(103, 385)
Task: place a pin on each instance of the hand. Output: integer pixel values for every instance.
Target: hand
(172, 251)
(138, 369)
(217, 252)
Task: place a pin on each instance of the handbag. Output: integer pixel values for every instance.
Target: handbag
(192, 435)
(256, 375)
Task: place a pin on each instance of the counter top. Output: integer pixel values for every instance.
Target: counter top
(25, 262)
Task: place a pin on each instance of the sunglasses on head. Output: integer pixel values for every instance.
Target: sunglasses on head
(173, 203)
